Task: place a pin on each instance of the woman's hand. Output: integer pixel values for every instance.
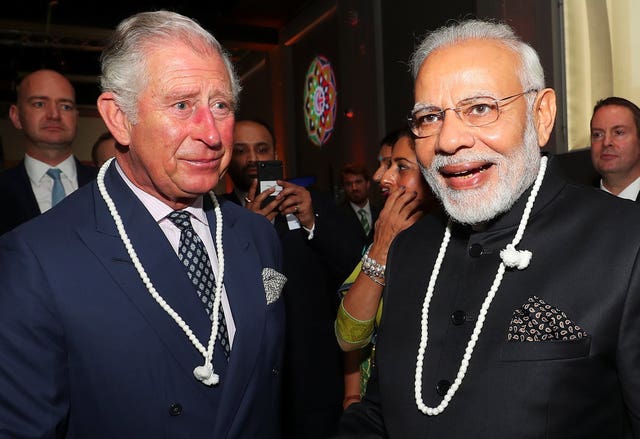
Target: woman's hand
(401, 210)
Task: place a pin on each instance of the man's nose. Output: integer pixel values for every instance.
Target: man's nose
(454, 134)
(608, 139)
(206, 127)
(53, 112)
(253, 155)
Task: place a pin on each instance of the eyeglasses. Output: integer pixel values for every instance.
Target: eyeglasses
(426, 121)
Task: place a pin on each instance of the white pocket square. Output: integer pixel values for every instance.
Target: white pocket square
(273, 284)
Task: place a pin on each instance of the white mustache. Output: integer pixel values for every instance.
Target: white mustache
(440, 161)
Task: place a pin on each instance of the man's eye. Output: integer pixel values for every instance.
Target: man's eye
(480, 109)
(428, 118)
(181, 106)
(221, 109)
(67, 107)
(596, 135)
(619, 132)
(38, 104)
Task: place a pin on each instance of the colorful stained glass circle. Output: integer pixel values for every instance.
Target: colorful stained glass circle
(320, 101)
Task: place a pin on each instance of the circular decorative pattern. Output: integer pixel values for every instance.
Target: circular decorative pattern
(320, 101)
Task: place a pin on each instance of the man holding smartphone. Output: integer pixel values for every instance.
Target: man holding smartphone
(316, 258)
(254, 142)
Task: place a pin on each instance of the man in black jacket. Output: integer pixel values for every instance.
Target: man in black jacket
(317, 257)
(46, 114)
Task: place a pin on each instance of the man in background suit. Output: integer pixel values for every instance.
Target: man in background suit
(143, 307)
(615, 146)
(103, 149)
(316, 259)
(517, 315)
(45, 111)
(357, 207)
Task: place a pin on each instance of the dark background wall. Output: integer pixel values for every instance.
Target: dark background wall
(367, 41)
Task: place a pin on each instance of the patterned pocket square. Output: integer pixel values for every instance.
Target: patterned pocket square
(273, 284)
(536, 320)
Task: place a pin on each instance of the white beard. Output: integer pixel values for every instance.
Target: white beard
(516, 172)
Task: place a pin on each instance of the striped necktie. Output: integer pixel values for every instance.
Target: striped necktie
(364, 221)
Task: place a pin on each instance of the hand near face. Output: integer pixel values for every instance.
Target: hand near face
(401, 210)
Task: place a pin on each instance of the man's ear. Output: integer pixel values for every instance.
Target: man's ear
(544, 114)
(114, 118)
(15, 117)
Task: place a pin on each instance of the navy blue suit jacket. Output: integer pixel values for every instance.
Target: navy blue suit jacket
(85, 351)
(18, 202)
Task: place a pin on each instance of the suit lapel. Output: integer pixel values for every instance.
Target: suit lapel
(245, 291)
(162, 266)
(24, 193)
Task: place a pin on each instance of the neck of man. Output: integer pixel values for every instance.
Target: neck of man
(362, 204)
(616, 183)
(50, 156)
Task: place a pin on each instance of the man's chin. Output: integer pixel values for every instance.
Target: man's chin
(240, 182)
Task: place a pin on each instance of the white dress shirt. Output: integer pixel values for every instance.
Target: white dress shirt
(200, 223)
(367, 211)
(42, 184)
(628, 193)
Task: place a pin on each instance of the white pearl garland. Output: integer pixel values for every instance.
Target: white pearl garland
(204, 373)
(510, 258)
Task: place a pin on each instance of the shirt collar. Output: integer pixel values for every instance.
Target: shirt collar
(37, 169)
(628, 193)
(158, 209)
(356, 208)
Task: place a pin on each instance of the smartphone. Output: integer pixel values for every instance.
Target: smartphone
(268, 172)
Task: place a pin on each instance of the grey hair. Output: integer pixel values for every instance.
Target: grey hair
(530, 72)
(124, 68)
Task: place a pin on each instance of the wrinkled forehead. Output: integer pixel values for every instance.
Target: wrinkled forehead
(470, 68)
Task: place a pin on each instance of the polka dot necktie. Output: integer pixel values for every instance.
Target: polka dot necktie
(194, 257)
(364, 221)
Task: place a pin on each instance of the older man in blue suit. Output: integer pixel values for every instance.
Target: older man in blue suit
(143, 307)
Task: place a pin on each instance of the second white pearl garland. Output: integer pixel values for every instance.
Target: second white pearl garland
(510, 258)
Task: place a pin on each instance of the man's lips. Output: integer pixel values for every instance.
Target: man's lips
(251, 171)
(608, 156)
(464, 170)
(466, 175)
(53, 128)
(203, 162)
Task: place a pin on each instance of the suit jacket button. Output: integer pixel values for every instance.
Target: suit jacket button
(475, 250)
(458, 317)
(442, 387)
(274, 371)
(175, 409)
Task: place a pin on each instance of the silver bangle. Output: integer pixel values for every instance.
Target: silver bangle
(371, 267)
